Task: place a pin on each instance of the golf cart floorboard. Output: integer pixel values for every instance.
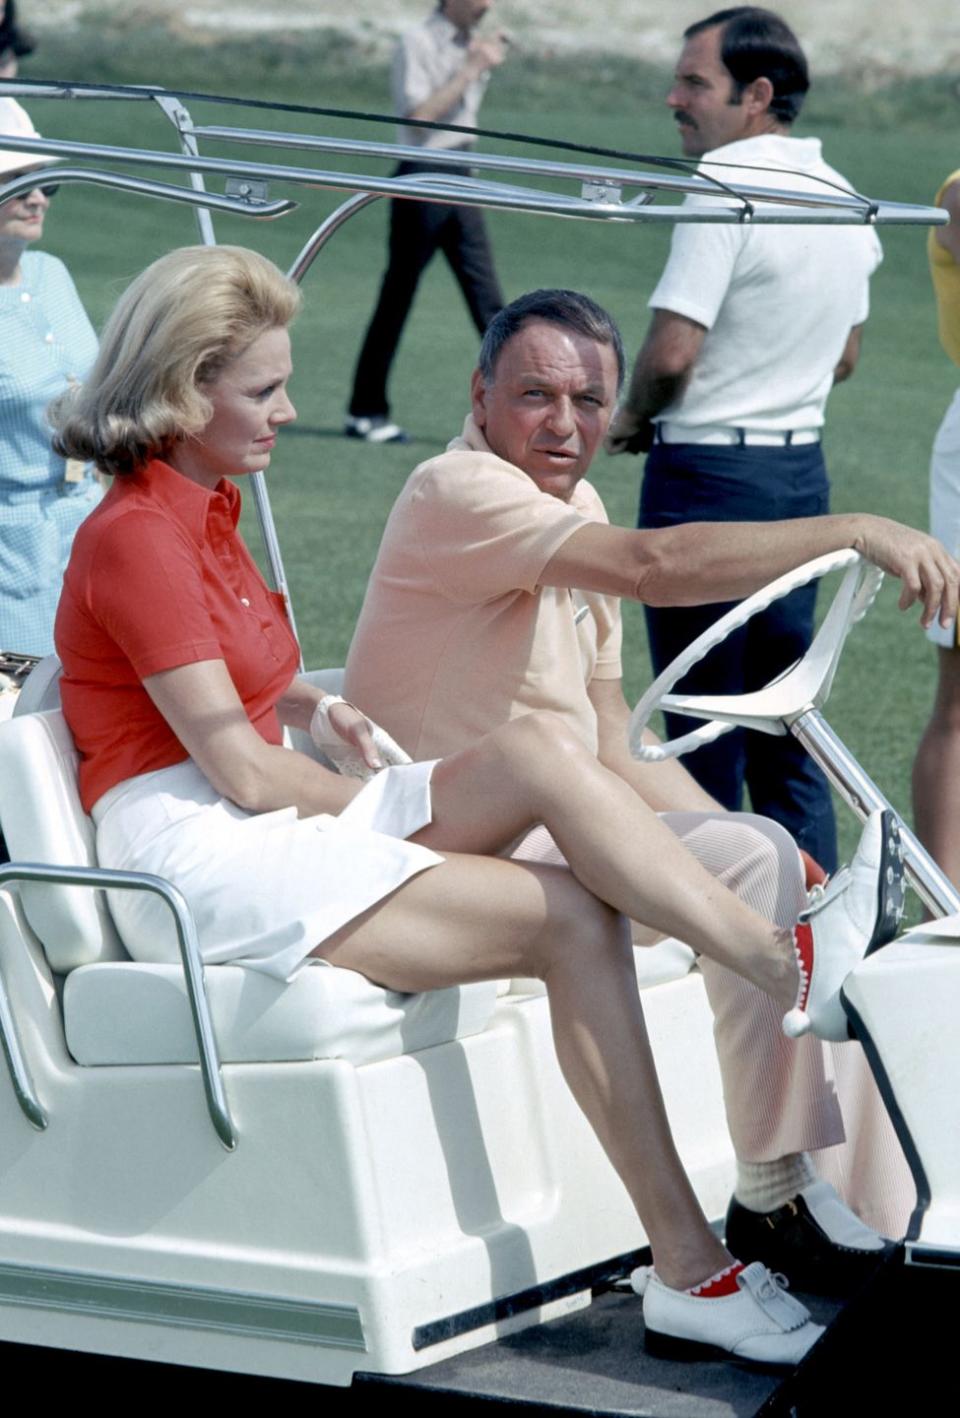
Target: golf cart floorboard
(592, 1362)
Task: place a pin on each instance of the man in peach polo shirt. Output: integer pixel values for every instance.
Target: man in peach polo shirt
(496, 591)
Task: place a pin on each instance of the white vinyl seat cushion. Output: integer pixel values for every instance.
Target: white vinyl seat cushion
(123, 1013)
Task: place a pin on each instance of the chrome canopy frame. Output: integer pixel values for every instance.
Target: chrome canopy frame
(601, 187)
(601, 194)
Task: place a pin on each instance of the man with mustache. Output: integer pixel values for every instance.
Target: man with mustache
(751, 327)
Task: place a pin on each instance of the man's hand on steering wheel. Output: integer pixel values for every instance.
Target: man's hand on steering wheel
(926, 571)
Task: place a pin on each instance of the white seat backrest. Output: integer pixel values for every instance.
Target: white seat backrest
(41, 688)
(43, 821)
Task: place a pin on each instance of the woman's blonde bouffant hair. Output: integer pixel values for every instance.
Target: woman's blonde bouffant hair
(172, 332)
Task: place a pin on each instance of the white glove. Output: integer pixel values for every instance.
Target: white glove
(345, 756)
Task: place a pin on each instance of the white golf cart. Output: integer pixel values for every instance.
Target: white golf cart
(328, 1179)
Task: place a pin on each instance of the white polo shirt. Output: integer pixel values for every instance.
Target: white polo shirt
(778, 302)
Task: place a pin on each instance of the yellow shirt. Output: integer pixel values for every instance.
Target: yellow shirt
(946, 284)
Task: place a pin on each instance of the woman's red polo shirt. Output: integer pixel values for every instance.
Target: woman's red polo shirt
(159, 577)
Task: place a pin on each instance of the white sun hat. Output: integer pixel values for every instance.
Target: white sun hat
(15, 123)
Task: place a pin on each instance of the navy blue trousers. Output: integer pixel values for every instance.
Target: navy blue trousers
(686, 482)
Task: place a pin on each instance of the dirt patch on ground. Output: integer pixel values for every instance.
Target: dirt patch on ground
(872, 41)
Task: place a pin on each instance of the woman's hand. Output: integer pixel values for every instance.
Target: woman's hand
(352, 727)
(356, 746)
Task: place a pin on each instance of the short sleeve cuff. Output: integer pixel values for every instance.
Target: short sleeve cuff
(682, 305)
(172, 657)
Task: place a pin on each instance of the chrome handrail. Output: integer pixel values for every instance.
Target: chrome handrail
(23, 1088)
(687, 182)
(103, 878)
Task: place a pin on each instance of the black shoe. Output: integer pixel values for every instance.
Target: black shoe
(795, 1241)
(375, 428)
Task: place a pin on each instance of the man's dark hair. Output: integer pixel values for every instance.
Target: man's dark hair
(567, 308)
(757, 44)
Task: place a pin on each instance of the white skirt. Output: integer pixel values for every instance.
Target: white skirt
(267, 888)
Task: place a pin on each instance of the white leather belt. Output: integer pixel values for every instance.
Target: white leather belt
(668, 432)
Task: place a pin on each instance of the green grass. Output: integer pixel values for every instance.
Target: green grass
(331, 497)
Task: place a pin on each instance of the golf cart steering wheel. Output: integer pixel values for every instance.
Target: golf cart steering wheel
(772, 709)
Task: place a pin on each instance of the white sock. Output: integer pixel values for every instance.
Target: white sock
(765, 1186)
